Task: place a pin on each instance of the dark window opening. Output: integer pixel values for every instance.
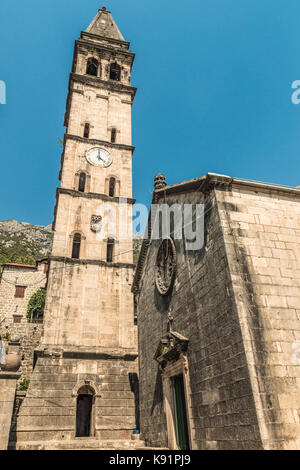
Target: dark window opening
(182, 431)
(17, 318)
(38, 316)
(135, 310)
(86, 133)
(20, 292)
(92, 67)
(115, 72)
(113, 136)
(81, 184)
(110, 250)
(76, 246)
(112, 187)
(84, 415)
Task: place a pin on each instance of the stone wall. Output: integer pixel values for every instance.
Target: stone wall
(202, 303)
(29, 335)
(8, 381)
(31, 277)
(262, 233)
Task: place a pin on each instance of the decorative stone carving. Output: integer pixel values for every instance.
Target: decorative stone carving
(171, 347)
(86, 383)
(160, 181)
(96, 223)
(166, 266)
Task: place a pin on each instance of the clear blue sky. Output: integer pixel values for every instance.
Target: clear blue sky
(214, 80)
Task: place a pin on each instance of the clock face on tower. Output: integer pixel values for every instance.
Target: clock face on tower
(99, 157)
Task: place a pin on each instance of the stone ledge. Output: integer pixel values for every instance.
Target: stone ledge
(99, 142)
(86, 353)
(9, 375)
(91, 261)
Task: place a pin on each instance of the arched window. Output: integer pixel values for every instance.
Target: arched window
(110, 250)
(76, 246)
(82, 181)
(115, 72)
(112, 187)
(113, 137)
(86, 132)
(85, 412)
(92, 67)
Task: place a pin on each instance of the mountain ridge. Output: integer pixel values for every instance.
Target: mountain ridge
(24, 243)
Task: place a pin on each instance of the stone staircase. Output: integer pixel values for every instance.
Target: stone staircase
(85, 444)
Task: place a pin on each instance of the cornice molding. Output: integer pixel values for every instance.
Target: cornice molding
(102, 38)
(99, 142)
(108, 84)
(103, 197)
(94, 262)
(105, 47)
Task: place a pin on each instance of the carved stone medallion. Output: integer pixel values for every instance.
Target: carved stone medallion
(165, 266)
(96, 223)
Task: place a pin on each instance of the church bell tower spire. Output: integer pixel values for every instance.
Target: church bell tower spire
(88, 348)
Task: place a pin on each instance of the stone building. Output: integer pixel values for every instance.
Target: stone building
(83, 391)
(18, 282)
(219, 325)
(20, 335)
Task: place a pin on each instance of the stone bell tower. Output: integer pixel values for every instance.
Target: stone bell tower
(84, 381)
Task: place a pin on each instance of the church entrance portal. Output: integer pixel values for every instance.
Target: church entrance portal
(182, 431)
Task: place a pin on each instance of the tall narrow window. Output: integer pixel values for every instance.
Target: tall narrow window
(92, 67)
(76, 246)
(112, 187)
(110, 250)
(113, 135)
(115, 72)
(86, 132)
(81, 184)
(85, 412)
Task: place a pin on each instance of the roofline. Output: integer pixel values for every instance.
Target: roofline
(202, 184)
(20, 265)
(104, 38)
(29, 266)
(217, 179)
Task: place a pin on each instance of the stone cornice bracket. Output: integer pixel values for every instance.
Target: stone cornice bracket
(171, 347)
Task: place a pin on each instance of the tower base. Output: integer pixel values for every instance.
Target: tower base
(79, 398)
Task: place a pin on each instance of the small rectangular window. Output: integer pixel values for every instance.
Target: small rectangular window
(17, 318)
(113, 135)
(20, 292)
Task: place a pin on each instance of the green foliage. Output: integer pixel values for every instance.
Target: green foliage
(6, 336)
(17, 248)
(23, 386)
(36, 304)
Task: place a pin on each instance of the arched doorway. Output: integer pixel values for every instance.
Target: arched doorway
(85, 412)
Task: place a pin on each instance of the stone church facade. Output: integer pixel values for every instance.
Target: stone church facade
(219, 326)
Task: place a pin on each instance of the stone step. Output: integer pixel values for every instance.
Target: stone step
(85, 444)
